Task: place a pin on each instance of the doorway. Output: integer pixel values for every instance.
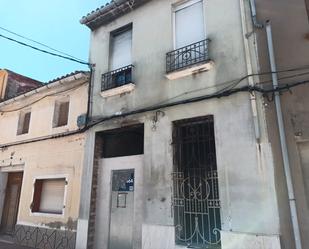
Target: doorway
(196, 188)
(119, 203)
(11, 202)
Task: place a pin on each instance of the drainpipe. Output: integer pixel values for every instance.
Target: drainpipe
(284, 149)
(256, 24)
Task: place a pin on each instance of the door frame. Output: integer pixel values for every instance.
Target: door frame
(103, 206)
(13, 177)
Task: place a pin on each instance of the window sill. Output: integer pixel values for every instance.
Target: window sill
(118, 90)
(22, 134)
(194, 69)
(51, 215)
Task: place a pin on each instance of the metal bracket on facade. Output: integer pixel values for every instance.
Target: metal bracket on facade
(155, 119)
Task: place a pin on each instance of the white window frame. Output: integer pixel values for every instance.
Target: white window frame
(181, 5)
(50, 177)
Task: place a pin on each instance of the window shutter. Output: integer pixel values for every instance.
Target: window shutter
(121, 46)
(52, 196)
(189, 24)
(63, 114)
(26, 123)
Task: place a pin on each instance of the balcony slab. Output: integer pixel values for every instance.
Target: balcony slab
(194, 69)
(118, 90)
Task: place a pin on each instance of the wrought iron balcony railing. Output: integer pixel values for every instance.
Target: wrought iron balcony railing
(187, 56)
(116, 78)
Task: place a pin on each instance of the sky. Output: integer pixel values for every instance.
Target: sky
(54, 23)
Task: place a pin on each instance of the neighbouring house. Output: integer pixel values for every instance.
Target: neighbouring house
(13, 84)
(289, 24)
(41, 161)
(174, 159)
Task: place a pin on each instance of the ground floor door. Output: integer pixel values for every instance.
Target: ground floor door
(11, 202)
(122, 209)
(196, 190)
(118, 212)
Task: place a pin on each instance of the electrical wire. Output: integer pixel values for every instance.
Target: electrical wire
(218, 95)
(45, 51)
(40, 43)
(45, 96)
(233, 83)
(227, 93)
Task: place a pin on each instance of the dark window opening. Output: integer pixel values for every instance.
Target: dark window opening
(24, 123)
(61, 113)
(123, 142)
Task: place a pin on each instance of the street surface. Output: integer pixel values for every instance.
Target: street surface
(11, 246)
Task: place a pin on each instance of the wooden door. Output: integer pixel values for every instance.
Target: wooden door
(11, 202)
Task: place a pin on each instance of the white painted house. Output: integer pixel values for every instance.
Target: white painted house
(171, 161)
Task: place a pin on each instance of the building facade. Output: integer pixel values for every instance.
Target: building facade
(41, 162)
(290, 27)
(175, 157)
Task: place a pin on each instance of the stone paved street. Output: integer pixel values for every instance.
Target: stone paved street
(11, 246)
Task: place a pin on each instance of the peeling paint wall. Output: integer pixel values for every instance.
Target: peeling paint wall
(58, 157)
(246, 177)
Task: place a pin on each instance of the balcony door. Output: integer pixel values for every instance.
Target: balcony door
(121, 48)
(189, 23)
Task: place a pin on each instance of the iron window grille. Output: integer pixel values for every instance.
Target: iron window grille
(187, 56)
(117, 78)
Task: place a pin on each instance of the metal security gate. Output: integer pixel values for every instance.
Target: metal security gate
(196, 194)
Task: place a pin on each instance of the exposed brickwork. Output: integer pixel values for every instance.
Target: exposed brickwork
(96, 161)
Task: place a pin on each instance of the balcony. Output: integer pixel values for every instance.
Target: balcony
(117, 82)
(188, 60)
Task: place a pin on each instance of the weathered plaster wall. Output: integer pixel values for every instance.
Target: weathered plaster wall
(246, 176)
(57, 157)
(152, 39)
(42, 112)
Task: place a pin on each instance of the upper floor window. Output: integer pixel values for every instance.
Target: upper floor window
(189, 23)
(24, 122)
(190, 54)
(120, 63)
(61, 113)
(121, 48)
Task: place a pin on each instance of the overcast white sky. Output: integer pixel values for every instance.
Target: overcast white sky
(55, 23)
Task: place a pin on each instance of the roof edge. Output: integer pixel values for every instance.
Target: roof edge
(110, 12)
(52, 84)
